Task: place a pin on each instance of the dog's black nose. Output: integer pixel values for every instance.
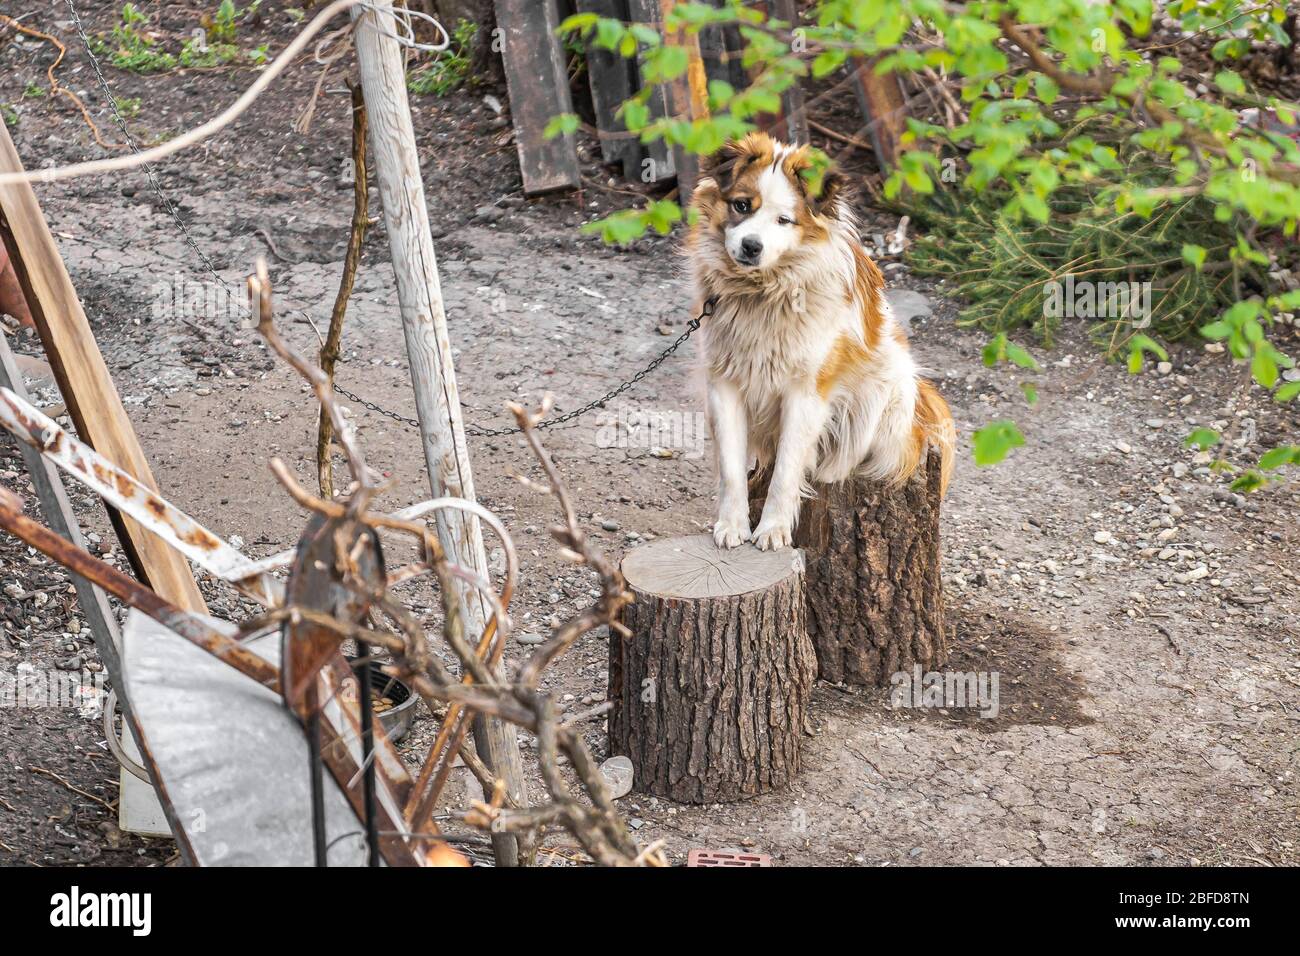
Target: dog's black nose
(751, 247)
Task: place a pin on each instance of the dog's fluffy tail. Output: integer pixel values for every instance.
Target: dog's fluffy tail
(934, 428)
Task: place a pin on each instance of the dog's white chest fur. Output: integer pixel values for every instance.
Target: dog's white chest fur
(807, 370)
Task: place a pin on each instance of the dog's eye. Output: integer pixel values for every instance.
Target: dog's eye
(742, 206)
(785, 221)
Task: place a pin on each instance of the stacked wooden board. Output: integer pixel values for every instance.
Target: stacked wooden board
(537, 68)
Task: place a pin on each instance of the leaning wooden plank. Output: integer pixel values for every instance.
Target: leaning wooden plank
(232, 760)
(539, 90)
(83, 378)
(612, 80)
(722, 48)
(689, 98)
(793, 124)
(883, 107)
(659, 163)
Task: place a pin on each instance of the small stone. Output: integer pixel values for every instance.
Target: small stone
(1103, 537)
(1164, 368)
(1198, 572)
(617, 772)
(528, 638)
(1123, 448)
(609, 524)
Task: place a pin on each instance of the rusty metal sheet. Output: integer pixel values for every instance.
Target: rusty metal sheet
(129, 496)
(232, 760)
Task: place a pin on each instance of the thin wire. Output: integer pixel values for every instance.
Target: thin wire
(199, 133)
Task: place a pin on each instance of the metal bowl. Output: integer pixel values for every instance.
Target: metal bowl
(397, 719)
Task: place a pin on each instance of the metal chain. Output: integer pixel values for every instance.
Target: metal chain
(475, 430)
(691, 326)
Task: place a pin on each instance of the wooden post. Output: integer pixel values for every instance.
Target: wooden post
(874, 587)
(722, 49)
(659, 163)
(539, 90)
(711, 690)
(437, 401)
(613, 80)
(793, 124)
(688, 98)
(884, 108)
(82, 376)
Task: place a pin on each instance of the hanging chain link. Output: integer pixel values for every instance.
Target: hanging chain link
(475, 430)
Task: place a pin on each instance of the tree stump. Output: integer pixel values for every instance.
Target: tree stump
(873, 582)
(711, 689)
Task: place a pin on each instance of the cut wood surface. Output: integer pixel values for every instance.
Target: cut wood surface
(711, 690)
(83, 378)
(874, 587)
(539, 90)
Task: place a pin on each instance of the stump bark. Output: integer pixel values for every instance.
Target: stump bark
(711, 690)
(873, 582)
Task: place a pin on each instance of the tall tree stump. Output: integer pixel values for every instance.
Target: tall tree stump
(711, 689)
(873, 582)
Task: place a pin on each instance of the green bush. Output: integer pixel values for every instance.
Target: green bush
(1079, 155)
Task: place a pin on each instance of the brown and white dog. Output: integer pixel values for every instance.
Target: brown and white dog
(808, 371)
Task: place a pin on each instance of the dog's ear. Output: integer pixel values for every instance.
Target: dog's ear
(835, 189)
(721, 166)
(824, 187)
(728, 163)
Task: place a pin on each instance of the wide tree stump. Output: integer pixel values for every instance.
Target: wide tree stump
(873, 582)
(711, 689)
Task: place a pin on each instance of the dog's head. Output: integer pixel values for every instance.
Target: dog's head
(760, 199)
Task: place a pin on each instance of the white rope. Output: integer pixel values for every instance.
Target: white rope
(402, 16)
(212, 126)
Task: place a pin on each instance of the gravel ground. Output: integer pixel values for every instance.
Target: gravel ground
(1142, 618)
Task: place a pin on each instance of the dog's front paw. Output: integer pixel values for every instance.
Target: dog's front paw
(773, 535)
(730, 533)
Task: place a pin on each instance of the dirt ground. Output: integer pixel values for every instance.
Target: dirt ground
(1142, 618)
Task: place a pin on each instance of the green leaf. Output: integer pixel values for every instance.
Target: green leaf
(1140, 344)
(1030, 392)
(993, 442)
(1263, 368)
(1202, 438)
(561, 125)
(1249, 481)
(1046, 89)
(1283, 455)
(1034, 206)
(1287, 392)
(1194, 255)
(1229, 82)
